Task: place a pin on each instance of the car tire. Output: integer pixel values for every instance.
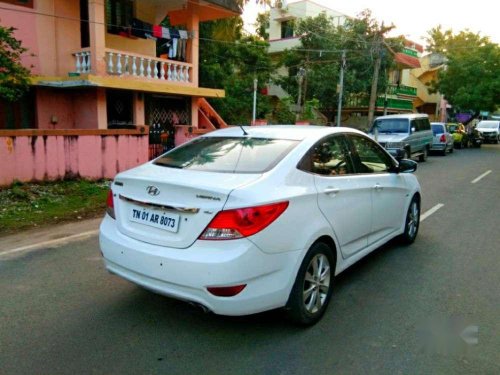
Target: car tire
(412, 222)
(423, 156)
(313, 286)
(452, 149)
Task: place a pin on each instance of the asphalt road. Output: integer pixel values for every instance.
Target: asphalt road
(400, 310)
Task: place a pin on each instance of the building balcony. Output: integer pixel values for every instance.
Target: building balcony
(129, 71)
(131, 65)
(279, 45)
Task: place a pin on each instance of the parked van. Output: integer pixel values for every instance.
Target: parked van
(404, 136)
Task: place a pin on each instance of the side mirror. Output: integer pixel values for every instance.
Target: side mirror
(413, 130)
(407, 166)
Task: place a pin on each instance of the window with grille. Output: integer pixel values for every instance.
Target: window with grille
(119, 15)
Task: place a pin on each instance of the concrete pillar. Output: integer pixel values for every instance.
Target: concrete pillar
(193, 26)
(101, 111)
(139, 109)
(97, 27)
(194, 111)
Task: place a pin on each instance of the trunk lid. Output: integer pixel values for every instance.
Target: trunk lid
(171, 207)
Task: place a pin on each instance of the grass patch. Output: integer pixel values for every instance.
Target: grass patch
(28, 205)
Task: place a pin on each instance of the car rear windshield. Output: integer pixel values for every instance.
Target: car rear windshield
(393, 125)
(228, 154)
(437, 129)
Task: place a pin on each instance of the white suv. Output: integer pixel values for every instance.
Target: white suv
(404, 135)
(490, 130)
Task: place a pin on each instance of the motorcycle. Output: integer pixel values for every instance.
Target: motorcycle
(475, 139)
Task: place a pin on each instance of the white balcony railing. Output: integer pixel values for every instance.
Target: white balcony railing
(82, 62)
(120, 63)
(128, 64)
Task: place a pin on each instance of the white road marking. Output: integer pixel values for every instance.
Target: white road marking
(429, 212)
(480, 177)
(56, 242)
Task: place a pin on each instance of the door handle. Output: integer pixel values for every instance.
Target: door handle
(331, 190)
(378, 187)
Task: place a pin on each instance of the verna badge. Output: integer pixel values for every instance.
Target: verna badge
(153, 190)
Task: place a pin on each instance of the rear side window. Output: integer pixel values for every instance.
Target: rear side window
(328, 157)
(228, 154)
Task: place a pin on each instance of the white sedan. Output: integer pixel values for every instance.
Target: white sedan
(244, 220)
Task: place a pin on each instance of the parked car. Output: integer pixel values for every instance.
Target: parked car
(443, 140)
(490, 130)
(459, 137)
(404, 136)
(243, 220)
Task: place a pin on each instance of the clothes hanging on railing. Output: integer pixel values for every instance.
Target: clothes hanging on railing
(172, 39)
(183, 44)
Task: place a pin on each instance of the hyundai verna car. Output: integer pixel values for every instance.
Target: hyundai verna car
(243, 220)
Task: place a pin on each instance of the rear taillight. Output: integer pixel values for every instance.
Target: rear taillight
(110, 206)
(242, 222)
(443, 138)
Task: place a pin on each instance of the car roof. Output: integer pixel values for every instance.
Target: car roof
(292, 132)
(404, 116)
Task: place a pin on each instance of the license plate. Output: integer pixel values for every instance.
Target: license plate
(155, 218)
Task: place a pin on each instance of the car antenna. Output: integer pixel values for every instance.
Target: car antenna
(244, 132)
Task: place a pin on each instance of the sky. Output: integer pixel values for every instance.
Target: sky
(414, 19)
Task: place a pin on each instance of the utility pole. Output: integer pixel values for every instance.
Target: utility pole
(300, 77)
(376, 71)
(254, 112)
(341, 88)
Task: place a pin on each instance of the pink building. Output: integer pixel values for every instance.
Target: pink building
(113, 64)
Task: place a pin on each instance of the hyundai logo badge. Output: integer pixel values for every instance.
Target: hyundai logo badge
(153, 190)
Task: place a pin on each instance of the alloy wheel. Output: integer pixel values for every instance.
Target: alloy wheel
(316, 283)
(413, 219)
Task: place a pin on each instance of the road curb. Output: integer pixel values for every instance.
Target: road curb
(52, 243)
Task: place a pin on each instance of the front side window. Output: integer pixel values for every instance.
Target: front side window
(329, 157)
(228, 154)
(368, 157)
(423, 124)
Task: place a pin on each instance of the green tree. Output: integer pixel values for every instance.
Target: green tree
(322, 43)
(232, 64)
(471, 78)
(14, 77)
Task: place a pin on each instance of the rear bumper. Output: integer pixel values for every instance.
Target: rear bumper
(186, 273)
(438, 146)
